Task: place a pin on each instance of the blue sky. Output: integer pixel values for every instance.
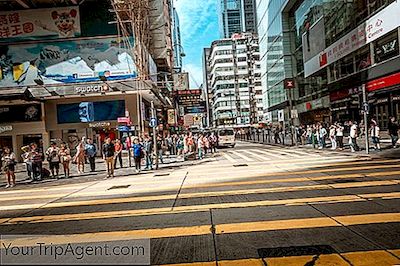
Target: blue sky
(199, 27)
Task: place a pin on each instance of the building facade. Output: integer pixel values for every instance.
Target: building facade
(236, 16)
(177, 42)
(331, 50)
(235, 81)
(63, 83)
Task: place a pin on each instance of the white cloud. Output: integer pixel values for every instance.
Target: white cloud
(194, 16)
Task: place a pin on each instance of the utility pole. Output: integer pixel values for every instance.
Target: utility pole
(365, 111)
(153, 115)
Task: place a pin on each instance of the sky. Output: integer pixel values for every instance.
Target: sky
(199, 27)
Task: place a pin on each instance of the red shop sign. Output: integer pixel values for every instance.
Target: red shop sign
(384, 82)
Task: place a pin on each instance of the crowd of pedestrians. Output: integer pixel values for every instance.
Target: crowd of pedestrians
(183, 146)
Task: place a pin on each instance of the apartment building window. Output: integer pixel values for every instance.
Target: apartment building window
(363, 58)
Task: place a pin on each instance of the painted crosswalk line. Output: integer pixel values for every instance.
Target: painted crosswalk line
(244, 157)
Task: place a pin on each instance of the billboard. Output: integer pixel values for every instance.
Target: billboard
(86, 112)
(375, 27)
(84, 60)
(49, 23)
(181, 81)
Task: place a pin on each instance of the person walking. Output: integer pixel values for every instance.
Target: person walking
(9, 161)
(91, 151)
(53, 158)
(339, 135)
(108, 156)
(137, 154)
(375, 135)
(200, 147)
(393, 128)
(37, 162)
(353, 136)
(118, 153)
(148, 153)
(332, 136)
(79, 158)
(65, 157)
(160, 147)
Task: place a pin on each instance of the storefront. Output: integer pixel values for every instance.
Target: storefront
(314, 111)
(384, 98)
(21, 124)
(345, 105)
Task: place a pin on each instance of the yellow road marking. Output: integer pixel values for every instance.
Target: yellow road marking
(358, 258)
(379, 257)
(205, 229)
(196, 195)
(196, 208)
(294, 179)
(247, 159)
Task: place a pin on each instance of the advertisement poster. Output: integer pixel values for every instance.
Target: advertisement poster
(64, 62)
(49, 23)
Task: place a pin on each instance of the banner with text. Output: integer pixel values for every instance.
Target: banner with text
(34, 24)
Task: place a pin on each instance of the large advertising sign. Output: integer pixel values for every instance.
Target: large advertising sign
(181, 81)
(49, 23)
(63, 62)
(375, 27)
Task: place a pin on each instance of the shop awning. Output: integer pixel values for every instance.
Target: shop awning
(147, 89)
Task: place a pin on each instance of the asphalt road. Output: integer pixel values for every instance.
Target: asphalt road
(251, 205)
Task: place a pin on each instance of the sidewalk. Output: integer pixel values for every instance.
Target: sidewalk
(170, 162)
(386, 146)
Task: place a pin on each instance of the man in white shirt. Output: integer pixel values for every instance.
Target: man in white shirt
(375, 135)
(353, 136)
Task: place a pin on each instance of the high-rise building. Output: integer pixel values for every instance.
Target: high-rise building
(177, 41)
(206, 86)
(330, 51)
(237, 16)
(235, 82)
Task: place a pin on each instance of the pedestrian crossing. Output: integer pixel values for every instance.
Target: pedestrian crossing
(219, 214)
(273, 153)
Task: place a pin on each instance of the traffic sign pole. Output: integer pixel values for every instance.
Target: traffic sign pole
(153, 115)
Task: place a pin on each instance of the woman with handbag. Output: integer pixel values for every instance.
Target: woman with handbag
(9, 163)
(65, 157)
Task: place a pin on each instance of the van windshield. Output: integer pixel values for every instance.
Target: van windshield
(226, 132)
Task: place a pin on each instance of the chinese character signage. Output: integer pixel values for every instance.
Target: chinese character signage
(34, 24)
(375, 27)
(181, 81)
(64, 62)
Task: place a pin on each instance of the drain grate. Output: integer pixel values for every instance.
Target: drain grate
(119, 187)
(240, 165)
(295, 251)
(165, 174)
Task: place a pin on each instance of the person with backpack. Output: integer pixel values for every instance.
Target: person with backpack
(37, 162)
(9, 161)
(108, 156)
(53, 158)
(148, 153)
(137, 154)
(375, 135)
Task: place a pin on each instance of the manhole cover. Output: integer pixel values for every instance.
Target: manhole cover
(166, 174)
(240, 165)
(295, 251)
(119, 187)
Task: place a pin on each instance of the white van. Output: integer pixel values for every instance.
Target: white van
(226, 137)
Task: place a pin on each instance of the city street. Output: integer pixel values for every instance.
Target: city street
(250, 205)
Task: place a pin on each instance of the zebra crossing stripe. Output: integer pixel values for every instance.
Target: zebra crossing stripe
(242, 156)
(228, 157)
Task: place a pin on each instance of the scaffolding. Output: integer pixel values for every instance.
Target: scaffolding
(134, 28)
